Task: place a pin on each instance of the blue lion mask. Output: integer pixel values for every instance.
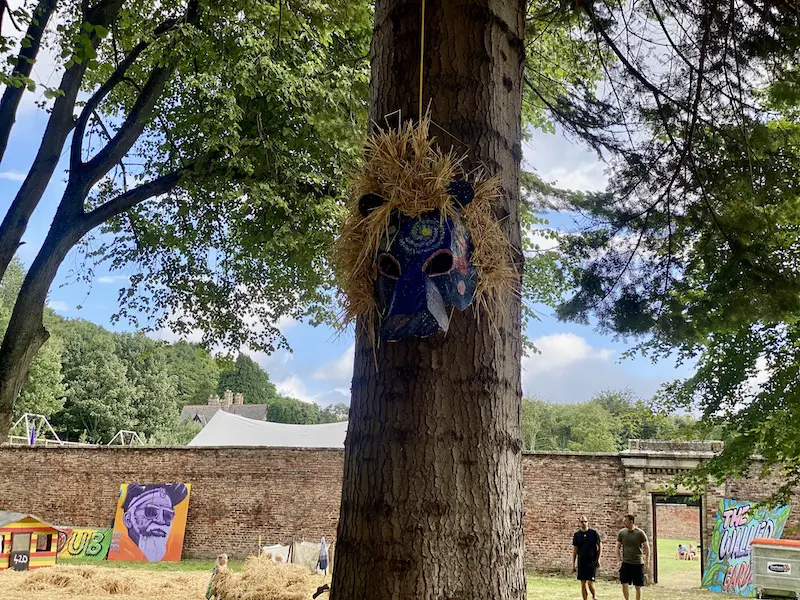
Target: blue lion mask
(422, 269)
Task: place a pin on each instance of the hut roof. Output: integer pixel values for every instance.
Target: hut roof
(8, 517)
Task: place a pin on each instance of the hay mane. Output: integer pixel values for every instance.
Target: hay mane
(411, 173)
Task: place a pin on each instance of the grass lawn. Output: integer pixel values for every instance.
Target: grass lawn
(676, 573)
(185, 565)
(679, 580)
(542, 587)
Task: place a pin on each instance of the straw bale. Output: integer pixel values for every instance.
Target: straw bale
(264, 579)
(407, 168)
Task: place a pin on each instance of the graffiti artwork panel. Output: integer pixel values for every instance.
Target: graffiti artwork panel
(737, 524)
(85, 543)
(150, 522)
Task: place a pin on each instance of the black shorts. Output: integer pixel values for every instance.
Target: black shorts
(632, 574)
(587, 569)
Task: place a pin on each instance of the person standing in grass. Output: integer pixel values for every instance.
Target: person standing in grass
(586, 549)
(219, 566)
(633, 553)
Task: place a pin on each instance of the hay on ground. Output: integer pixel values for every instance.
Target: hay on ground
(264, 579)
(100, 583)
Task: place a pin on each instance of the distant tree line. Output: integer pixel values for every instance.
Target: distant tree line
(603, 424)
(91, 382)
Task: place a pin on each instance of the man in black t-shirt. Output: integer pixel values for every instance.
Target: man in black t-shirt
(586, 549)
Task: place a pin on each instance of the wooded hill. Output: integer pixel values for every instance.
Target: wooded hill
(91, 382)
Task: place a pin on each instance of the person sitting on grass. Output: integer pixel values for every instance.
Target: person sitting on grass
(691, 553)
(681, 554)
(220, 565)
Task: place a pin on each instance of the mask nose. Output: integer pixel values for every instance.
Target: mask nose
(417, 309)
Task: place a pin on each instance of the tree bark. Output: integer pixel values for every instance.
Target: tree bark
(26, 332)
(27, 56)
(58, 128)
(432, 494)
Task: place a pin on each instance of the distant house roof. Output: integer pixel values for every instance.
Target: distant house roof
(202, 413)
(8, 517)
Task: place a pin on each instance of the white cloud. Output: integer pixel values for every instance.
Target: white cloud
(113, 279)
(339, 371)
(586, 177)
(754, 384)
(13, 175)
(58, 305)
(561, 350)
(295, 387)
(569, 369)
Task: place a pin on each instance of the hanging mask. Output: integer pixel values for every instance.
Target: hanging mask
(407, 256)
(422, 269)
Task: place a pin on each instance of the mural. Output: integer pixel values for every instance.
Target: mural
(737, 524)
(150, 522)
(85, 543)
(63, 538)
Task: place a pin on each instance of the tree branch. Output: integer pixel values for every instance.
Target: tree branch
(115, 79)
(25, 59)
(137, 195)
(134, 124)
(59, 125)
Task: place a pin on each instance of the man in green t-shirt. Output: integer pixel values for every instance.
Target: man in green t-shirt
(633, 553)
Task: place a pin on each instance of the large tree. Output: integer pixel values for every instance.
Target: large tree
(432, 495)
(694, 247)
(245, 376)
(207, 146)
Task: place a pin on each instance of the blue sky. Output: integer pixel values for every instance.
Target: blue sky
(574, 362)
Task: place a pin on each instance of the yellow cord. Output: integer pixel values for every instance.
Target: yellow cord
(421, 54)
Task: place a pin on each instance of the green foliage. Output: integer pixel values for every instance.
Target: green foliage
(100, 399)
(282, 409)
(196, 374)
(693, 248)
(154, 401)
(246, 377)
(268, 99)
(178, 435)
(335, 413)
(603, 424)
(44, 393)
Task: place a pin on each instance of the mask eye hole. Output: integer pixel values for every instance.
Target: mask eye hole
(439, 263)
(388, 266)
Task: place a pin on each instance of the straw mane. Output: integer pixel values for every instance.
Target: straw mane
(411, 173)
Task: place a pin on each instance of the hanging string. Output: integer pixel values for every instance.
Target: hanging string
(421, 53)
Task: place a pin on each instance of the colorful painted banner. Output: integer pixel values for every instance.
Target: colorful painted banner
(150, 522)
(737, 524)
(86, 543)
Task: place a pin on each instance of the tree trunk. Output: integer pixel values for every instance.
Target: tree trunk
(26, 333)
(432, 495)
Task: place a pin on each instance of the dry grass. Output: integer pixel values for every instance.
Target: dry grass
(261, 579)
(406, 168)
(94, 583)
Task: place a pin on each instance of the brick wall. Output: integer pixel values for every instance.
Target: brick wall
(558, 488)
(283, 494)
(237, 493)
(678, 522)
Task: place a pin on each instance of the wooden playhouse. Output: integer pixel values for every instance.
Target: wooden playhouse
(26, 542)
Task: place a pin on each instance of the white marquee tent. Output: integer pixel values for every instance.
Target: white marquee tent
(226, 429)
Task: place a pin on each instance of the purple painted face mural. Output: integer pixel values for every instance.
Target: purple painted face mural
(148, 514)
(422, 269)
